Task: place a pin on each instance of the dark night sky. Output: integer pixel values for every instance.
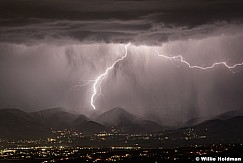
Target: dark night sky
(47, 46)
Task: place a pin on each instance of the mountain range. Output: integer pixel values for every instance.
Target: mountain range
(124, 121)
(16, 124)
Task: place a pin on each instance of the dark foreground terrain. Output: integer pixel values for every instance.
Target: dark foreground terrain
(120, 154)
(55, 135)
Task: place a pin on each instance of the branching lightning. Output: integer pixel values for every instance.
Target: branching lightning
(181, 59)
(96, 87)
(87, 82)
(100, 78)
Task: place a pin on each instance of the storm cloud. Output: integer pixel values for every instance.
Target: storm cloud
(142, 22)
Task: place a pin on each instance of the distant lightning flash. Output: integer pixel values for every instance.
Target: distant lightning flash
(100, 78)
(181, 59)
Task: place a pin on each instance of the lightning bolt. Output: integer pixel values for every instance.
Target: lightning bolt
(87, 82)
(100, 78)
(182, 60)
(96, 88)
